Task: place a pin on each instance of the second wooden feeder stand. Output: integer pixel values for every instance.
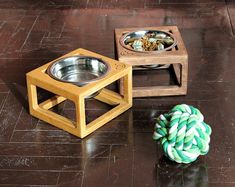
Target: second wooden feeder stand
(177, 58)
(63, 91)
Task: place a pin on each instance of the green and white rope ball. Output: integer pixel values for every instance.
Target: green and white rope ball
(183, 133)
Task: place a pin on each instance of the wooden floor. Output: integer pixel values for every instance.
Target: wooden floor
(122, 153)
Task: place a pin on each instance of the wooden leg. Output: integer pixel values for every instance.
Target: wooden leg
(178, 72)
(52, 102)
(120, 83)
(109, 97)
(184, 79)
(80, 116)
(32, 95)
(127, 88)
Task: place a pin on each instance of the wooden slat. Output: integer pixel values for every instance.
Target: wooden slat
(109, 97)
(158, 91)
(52, 102)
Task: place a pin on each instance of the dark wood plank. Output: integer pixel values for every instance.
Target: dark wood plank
(72, 179)
(9, 116)
(121, 166)
(144, 162)
(96, 172)
(56, 150)
(221, 175)
(41, 163)
(28, 177)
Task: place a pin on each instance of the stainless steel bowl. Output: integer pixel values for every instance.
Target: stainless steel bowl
(78, 70)
(130, 36)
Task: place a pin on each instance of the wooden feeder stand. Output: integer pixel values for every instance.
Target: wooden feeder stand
(177, 58)
(63, 91)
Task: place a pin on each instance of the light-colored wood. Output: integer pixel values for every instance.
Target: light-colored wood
(80, 116)
(52, 102)
(177, 58)
(109, 97)
(127, 87)
(32, 96)
(63, 91)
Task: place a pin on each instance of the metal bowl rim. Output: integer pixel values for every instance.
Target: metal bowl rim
(121, 40)
(49, 69)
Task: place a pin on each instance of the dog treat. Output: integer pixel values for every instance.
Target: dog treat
(150, 42)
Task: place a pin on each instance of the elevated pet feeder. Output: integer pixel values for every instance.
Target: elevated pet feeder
(76, 76)
(79, 70)
(154, 48)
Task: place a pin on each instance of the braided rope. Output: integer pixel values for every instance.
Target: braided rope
(183, 133)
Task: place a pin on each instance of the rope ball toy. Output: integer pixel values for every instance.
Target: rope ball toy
(183, 133)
